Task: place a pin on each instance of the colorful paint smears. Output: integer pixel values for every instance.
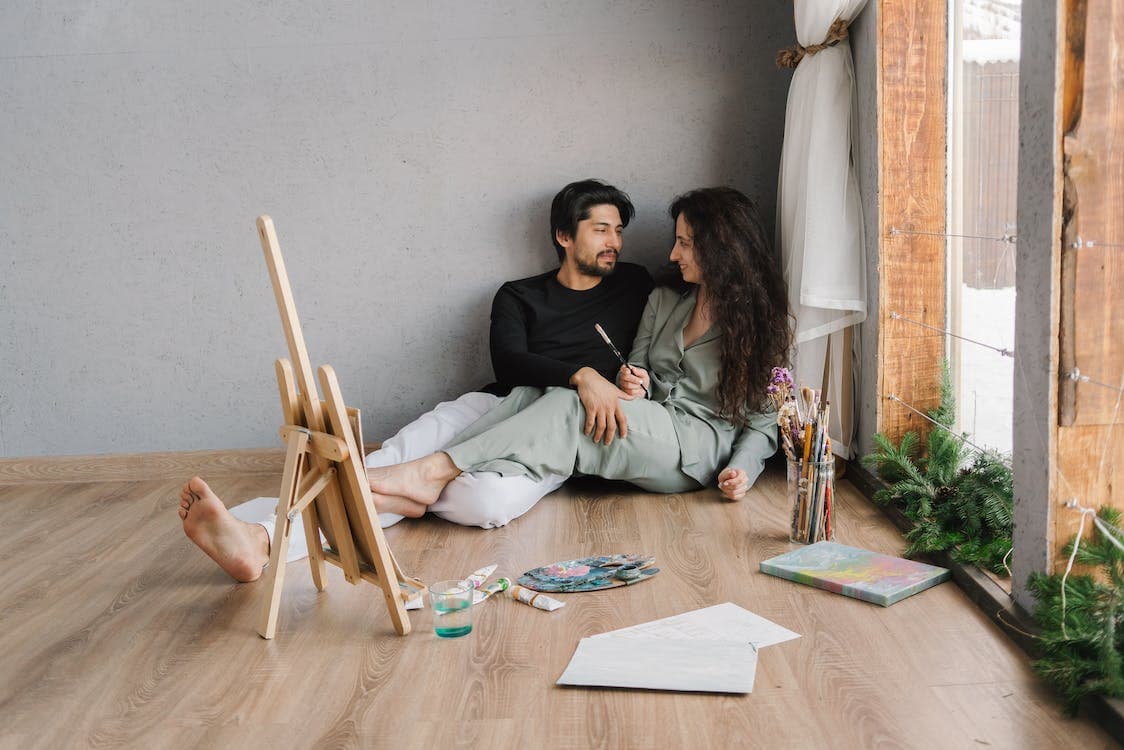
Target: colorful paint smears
(590, 573)
(854, 572)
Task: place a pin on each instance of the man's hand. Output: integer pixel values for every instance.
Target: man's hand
(604, 417)
(733, 482)
(634, 381)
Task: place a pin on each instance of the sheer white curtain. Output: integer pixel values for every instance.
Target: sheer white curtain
(819, 216)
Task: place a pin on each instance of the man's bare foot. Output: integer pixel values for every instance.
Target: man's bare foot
(402, 506)
(410, 488)
(240, 548)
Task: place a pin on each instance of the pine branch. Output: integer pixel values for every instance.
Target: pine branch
(959, 499)
(1086, 657)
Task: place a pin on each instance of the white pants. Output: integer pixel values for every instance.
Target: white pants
(480, 499)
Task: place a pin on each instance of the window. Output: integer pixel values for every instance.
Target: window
(983, 143)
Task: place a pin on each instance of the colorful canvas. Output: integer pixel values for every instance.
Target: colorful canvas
(859, 573)
(590, 573)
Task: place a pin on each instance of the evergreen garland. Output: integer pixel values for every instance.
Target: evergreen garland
(1085, 658)
(958, 498)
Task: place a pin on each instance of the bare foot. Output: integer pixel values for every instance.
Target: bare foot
(402, 506)
(410, 488)
(240, 548)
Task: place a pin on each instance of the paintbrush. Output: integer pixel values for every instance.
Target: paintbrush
(617, 352)
(809, 398)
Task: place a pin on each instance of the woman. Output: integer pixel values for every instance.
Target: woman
(706, 345)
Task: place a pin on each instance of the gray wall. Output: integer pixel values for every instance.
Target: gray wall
(407, 153)
(864, 40)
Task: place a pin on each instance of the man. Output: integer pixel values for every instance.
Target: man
(542, 335)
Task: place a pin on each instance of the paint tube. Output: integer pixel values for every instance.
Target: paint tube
(476, 579)
(536, 599)
(496, 586)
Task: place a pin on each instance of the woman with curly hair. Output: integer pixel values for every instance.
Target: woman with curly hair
(694, 392)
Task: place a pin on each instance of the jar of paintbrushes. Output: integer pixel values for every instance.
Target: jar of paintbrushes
(802, 419)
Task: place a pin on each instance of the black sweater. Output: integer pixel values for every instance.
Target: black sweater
(542, 332)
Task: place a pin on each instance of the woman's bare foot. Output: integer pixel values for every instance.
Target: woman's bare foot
(409, 489)
(240, 548)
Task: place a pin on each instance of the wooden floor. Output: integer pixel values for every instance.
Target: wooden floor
(116, 632)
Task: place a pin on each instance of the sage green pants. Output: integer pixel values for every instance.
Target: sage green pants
(535, 433)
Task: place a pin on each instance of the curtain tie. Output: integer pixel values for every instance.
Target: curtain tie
(790, 57)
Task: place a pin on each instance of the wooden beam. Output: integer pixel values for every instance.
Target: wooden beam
(1090, 455)
(912, 157)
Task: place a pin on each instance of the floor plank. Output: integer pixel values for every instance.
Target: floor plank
(115, 631)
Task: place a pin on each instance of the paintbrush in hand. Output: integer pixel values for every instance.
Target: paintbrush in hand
(617, 352)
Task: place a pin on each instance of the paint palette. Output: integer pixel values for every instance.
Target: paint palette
(590, 573)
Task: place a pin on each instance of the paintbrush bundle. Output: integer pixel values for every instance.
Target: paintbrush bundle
(802, 418)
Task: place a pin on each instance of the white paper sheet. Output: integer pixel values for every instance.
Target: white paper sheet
(663, 664)
(722, 622)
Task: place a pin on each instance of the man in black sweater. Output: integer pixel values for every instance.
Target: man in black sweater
(542, 335)
(543, 331)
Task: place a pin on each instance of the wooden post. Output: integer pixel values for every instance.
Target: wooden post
(912, 72)
(1090, 439)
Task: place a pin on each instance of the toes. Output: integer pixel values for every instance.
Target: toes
(183, 514)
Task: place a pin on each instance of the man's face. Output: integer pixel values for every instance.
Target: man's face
(594, 248)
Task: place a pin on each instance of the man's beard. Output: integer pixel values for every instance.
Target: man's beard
(593, 269)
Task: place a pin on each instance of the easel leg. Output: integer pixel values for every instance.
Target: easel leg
(356, 492)
(291, 409)
(275, 576)
(315, 549)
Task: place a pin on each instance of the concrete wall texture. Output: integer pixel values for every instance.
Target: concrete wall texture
(406, 151)
(1036, 270)
(864, 48)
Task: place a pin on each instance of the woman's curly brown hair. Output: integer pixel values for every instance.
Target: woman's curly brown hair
(748, 295)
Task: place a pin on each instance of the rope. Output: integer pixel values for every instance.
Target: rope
(1109, 534)
(1009, 238)
(1080, 243)
(999, 617)
(957, 435)
(946, 332)
(790, 57)
(1076, 376)
(1076, 543)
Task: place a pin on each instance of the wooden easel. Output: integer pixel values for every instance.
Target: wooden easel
(324, 479)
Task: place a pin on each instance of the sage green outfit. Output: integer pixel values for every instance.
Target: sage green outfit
(676, 441)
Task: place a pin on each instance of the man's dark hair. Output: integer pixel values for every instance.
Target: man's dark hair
(573, 203)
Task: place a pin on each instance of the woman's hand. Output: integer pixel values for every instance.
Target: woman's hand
(733, 482)
(634, 381)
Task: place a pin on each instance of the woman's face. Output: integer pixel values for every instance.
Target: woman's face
(684, 253)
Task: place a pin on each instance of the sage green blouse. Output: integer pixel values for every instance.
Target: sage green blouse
(685, 381)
